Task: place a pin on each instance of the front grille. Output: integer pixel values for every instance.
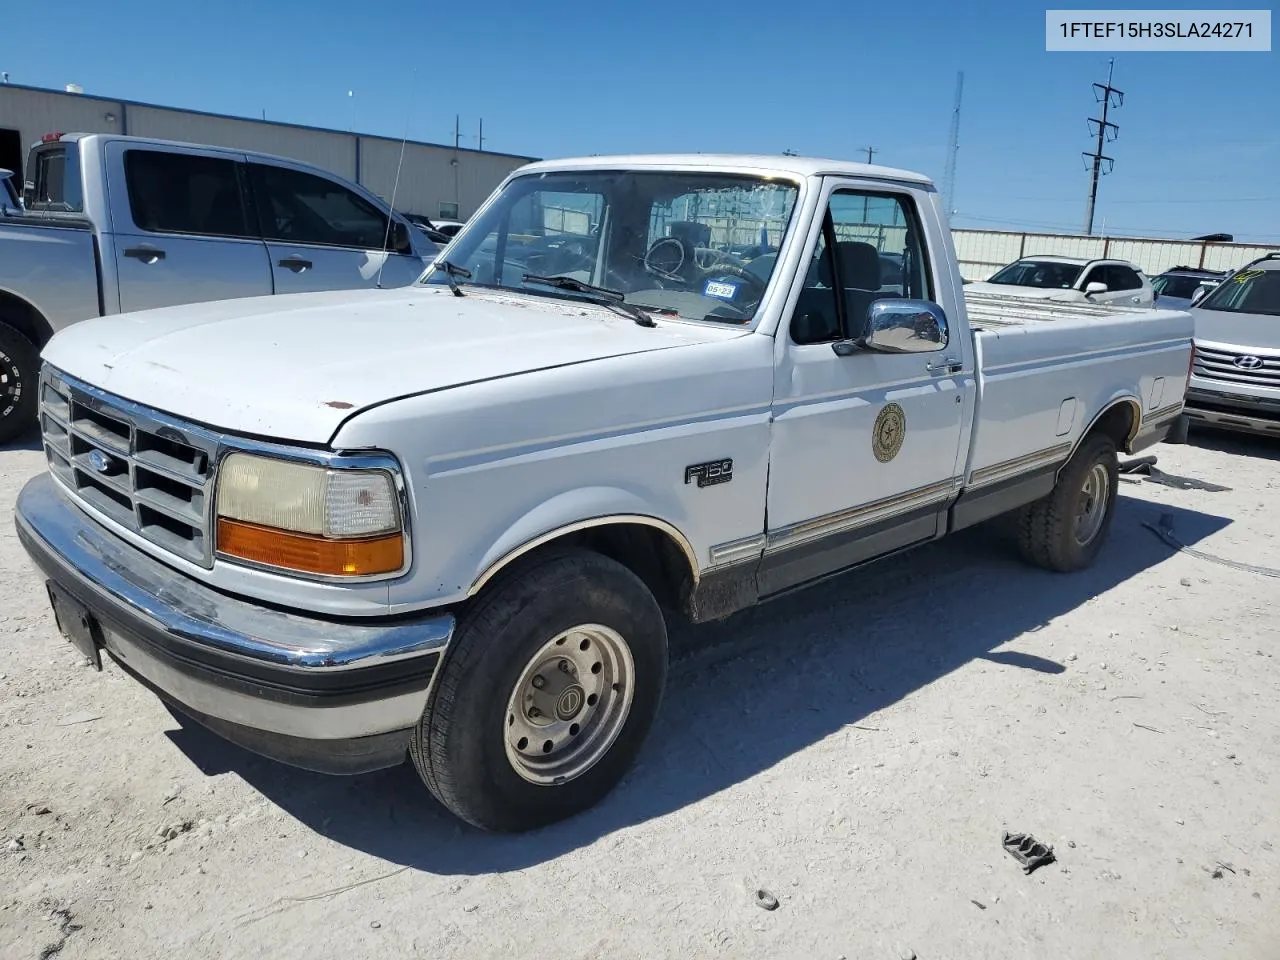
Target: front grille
(1225, 365)
(149, 473)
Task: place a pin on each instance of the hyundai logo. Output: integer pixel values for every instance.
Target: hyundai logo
(99, 461)
(1247, 363)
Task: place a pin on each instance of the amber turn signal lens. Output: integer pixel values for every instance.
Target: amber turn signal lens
(310, 554)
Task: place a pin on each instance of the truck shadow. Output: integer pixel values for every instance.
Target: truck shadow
(747, 693)
(1238, 444)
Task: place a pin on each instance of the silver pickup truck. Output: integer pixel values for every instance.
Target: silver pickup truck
(120, 224)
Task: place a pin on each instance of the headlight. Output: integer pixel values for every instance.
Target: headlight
(307, 518)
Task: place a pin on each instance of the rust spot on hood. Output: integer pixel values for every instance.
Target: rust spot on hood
(339, 404)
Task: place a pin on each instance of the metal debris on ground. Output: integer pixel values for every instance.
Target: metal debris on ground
(1164, 530)
(766, 900)
(1027, 850)
(1146, 468)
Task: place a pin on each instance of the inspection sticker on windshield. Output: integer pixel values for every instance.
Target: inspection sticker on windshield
(720, 290)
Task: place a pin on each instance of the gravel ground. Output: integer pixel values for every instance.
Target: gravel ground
(856, 751)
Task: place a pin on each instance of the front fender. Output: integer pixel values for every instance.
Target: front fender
(568, 512)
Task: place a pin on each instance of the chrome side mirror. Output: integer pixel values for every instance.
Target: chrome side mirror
(1199, 294)
(900, 326)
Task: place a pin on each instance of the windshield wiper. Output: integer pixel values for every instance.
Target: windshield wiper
(615, 300)
(451, 271)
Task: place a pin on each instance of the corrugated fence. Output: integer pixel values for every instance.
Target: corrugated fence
(983, 252)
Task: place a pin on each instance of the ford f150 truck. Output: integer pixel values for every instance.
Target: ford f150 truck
(120, 224)
(451, 522)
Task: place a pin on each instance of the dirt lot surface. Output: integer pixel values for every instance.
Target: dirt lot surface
(855, 751)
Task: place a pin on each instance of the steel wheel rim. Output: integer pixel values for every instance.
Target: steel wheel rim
(1093, 503)
(569, 705)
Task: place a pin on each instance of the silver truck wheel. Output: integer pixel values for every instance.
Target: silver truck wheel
(1091, 510)
(569, 704)
(547, 693)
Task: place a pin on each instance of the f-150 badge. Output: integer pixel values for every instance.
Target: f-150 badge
(889, 432)
(716, 471)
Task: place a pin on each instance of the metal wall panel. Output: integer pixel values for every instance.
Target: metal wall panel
(33, 113)
(430, 176)
(983, 252)
(334, 152)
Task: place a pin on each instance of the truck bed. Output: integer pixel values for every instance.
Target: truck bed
(51, 260)
(1045, 370)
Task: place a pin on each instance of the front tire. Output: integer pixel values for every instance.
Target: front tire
(19, 372)
(1065, 530)
(547, 693)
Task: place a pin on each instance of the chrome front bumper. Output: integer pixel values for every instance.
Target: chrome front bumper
(338, 697)
(1235, 411)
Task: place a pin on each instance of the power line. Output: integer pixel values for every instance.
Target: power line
(1106, 131)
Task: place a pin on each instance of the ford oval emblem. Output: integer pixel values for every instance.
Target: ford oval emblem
(1248, 363)
(99, 461)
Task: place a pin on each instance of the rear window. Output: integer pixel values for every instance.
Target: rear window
(55, 176)
(184, 193)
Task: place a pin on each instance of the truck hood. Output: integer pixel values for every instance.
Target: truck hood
(1249, 331)
(295, 367)
(1030, 293)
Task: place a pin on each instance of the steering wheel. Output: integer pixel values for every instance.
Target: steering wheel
(671, 258)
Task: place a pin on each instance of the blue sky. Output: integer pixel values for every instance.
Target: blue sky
(1198, 151)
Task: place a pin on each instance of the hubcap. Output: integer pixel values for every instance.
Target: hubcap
(570, 703)
(1093, 504)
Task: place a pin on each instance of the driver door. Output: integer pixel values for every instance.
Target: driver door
(866, 446)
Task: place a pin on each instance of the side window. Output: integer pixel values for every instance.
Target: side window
(448, 211)
(185, 193)
(872, 248)
(299, 207)
(56, 181)
(1122, 278)
(1095, 275)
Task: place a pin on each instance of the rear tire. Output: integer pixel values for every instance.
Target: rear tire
(574, 633)
(1064, 530)
(19, 374)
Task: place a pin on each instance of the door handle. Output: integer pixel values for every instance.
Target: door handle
(949, 365)
(296, 264)
(147, 254)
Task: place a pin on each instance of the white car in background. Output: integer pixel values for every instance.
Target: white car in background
(1070, 278)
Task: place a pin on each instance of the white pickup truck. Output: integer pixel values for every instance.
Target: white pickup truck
(451, 522)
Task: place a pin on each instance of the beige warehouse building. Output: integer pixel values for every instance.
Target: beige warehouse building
(436, 180)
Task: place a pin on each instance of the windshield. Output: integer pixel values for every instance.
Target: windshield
(1178, 285)
(1039, 273)
(696, 245)
(1250, 291)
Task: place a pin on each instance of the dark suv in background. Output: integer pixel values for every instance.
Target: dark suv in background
(1177, 285)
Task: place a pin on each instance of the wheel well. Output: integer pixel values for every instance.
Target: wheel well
(651, 553)
(1119, 422)
(24, 318)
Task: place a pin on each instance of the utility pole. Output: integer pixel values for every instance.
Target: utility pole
(457, 131)
(871, 151)
(953, 148)
(480, 138)
(1106, 131)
